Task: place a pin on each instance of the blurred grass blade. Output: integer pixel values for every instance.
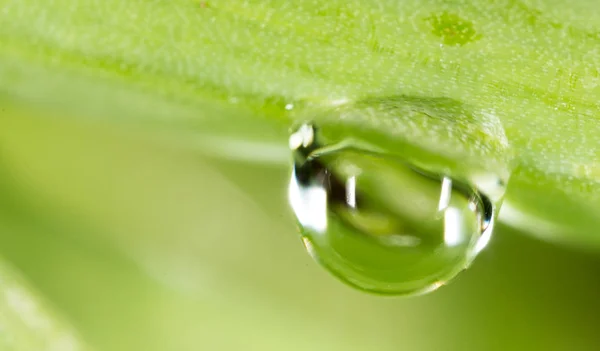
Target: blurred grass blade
(26, 321)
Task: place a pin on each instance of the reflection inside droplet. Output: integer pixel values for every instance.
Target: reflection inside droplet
(380, 224)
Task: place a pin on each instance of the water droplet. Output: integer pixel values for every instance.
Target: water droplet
(381, 224)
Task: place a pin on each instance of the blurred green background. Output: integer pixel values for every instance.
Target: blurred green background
(121, 228)
(119, 241)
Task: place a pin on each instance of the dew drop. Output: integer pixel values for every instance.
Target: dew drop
(381, 224)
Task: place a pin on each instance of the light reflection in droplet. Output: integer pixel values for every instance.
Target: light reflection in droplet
(351, 191)
(453, 229)
(309, 205)
(445, 194)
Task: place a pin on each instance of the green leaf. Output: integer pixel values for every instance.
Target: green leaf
(228, 69)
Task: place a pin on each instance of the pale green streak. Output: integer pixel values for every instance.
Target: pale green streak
(26, 321)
